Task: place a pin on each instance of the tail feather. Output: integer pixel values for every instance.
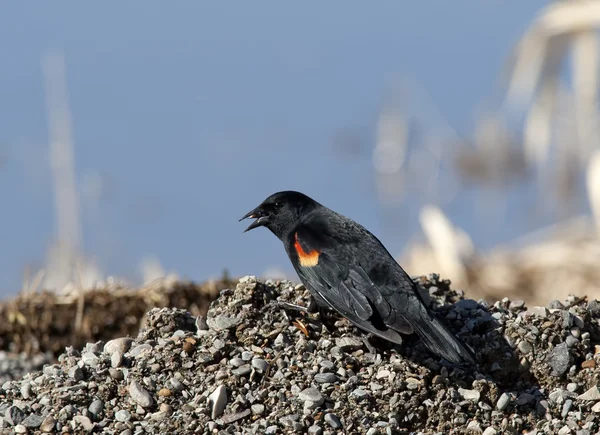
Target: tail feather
(438, 338)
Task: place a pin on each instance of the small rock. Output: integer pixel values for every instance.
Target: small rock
(20, 429)
(325, 378)
(558, 359)
(473, 395)
(312, 395)
(48, 424)
(32, 421)
(591, 394)
(122, 345)
(572, 387)
(258, 409)
(315, 430)
(122, 415)
(84, 423)
(333, 421)
(164, 392)
(596, 407)
(90, 359)
(503, 402)
(242, 370)
(566, 408)
(223, 322)
(218, 401)
(525, 347)
(140, 395)
(541, 312)
(588, 364)
(516, 305)
(490, 431)
(76, 373)
(524, 399)
(26, 391)
(96, 407)
(260, 365)
(13, 415)
(348, 344)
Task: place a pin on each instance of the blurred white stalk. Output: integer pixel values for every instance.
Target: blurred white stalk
(65, 250)
(593, 185)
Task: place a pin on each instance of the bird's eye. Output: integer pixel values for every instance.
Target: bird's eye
(278, 205)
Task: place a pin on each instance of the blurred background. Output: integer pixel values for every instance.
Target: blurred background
(463, 134)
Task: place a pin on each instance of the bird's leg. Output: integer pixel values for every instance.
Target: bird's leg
(312, 307)
(365, 339)
(326, 319)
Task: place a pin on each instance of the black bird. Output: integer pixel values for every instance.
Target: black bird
(347, 269)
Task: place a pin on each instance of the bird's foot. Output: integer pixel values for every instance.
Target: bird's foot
(366, 341)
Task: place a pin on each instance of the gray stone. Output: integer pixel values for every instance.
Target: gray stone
(258, 409)
(348, 344)
(516, 305)
(525, 347)
(76, 373)
(140, 395)
(312, 395)
(260, 365)
(122, 345)
(503, 402)
(333, 421)
(223, 322)
(13, 415)
(122, 415)
(218, 401)
(84, 422)
(48, 424)
(315, 430)
(26, 391)
(490, 431)
(473, 395)
(324, 378)
(558, 359)
(242, 370)
(591, 394)
(20, 429)
(90, 359)
(33, 421)
(96, 407)
(541, 312)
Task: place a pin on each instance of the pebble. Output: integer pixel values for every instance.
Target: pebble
(473, 395)
(558, 359)
(121, 345)
(503, 402)
(218, 400)
(140, 395)
(348, 344)
(96, 407)
(312, 395)
(223, 322)
(20, 429)
(332, 420)
(13, 415)
(260, 365)
(33, 421)
(315, 382)
(122, 415)
(48, 424)
(90, 359)
(325, 378)
(83, 422)
(591, 394)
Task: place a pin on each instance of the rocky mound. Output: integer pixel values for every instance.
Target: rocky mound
(252, 367)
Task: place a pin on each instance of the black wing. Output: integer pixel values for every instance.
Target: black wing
(359, 279)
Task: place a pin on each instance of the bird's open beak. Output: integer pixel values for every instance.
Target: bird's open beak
(262, 218)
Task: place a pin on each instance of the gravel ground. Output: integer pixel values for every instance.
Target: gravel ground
(252, 367)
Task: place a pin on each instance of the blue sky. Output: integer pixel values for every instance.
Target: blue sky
(191, 113)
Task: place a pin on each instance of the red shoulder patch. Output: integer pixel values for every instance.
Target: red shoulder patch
(307, 259)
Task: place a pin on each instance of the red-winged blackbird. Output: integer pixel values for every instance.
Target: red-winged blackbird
(348, 269)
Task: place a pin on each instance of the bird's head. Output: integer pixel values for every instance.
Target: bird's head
(280, 212)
